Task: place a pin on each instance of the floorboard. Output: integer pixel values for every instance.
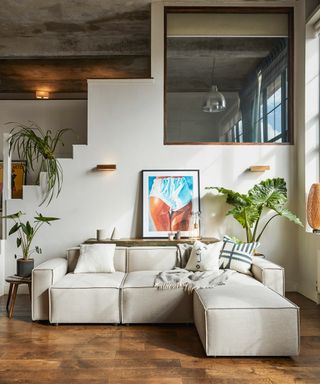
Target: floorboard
(32, 353)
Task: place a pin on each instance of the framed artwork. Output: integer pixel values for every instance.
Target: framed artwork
(170, 200)
(18, 179)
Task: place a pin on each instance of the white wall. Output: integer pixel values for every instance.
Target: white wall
(125, 126)
(48, 114)
(308, 158)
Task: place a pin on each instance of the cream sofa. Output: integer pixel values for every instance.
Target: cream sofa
(248, 316)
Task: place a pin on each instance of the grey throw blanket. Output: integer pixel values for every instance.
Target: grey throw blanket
(189, 281)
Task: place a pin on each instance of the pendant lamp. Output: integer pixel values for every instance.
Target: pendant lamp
(313, 207)
(215, 101)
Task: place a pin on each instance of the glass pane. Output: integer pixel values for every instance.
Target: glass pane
(271, 133)
(248, 86)
(277, 120)
(277, 97)
(270, 98)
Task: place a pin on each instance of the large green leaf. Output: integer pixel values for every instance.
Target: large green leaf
(246, 216)
(13, 216)
(19, 241)
(232, 197)
(14, 229)
(45, 219)
(269, 193)
(284, 212)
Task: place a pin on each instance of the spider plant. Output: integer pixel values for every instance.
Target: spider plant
(37, 147)
(248, 209)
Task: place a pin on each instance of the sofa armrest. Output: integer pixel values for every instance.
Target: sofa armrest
(43, 276)
(269, 274)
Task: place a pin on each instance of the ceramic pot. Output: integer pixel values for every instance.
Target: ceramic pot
(25, 267)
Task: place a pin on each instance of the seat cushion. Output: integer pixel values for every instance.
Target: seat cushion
(90, 280)
(244, 319)
(151, 258)
(143, 303)
(86, 298)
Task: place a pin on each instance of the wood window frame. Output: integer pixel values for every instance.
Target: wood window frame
(239, 10)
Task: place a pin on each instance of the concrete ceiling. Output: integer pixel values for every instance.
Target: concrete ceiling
(58, 44)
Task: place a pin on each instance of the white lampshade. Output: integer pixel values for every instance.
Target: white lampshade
(215, 101)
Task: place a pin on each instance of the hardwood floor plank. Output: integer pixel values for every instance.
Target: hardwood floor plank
(34, 353)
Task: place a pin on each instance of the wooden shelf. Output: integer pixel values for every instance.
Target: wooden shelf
(149, 242)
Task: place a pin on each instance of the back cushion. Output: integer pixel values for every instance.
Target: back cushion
(151, 258)
(119, 258)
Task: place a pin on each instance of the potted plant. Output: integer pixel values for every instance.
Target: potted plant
(38, 147)
(26, 234)
(248, 209)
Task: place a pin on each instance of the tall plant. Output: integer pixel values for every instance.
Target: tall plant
(27, 231)
(248, 209)
(38, 147)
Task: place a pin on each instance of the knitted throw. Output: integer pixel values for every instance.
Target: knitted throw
(189, 281)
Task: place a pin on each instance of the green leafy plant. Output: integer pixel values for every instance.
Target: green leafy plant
(38, 147)
(248, 209)
(27, 232)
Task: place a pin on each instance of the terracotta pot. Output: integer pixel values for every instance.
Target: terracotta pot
(25, 267)
(313, 207)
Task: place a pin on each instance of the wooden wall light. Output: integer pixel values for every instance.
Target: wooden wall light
(42, 95)
(259, 168)
(106, 167)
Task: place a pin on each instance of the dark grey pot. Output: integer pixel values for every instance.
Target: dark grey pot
(25, 267)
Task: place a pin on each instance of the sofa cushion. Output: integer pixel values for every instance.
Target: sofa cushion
(151, 258)
(237, 256)
(204, 257)
(120, 258)
(96, 258)
(143, 303)
(90, 280)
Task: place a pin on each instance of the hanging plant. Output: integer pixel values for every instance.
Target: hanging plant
(37, 147)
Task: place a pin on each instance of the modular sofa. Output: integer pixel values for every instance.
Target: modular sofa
(248, 316)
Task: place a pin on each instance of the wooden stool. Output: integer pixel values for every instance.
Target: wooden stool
(14, 282)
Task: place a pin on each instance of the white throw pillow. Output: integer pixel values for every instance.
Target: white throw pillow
(204, 257)
(96, 258)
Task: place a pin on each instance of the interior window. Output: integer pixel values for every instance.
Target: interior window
(228, 76)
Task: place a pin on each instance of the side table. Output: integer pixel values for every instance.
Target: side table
(14, 282)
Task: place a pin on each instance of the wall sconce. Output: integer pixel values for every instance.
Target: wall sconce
(259, 168)
(44, 95)
(106, 167)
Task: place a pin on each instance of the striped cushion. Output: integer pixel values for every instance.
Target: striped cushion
(237, 256)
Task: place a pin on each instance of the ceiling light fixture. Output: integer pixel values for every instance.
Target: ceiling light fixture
(215, 101)
(44, 95)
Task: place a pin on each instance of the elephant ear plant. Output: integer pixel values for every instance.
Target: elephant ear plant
(26, 233)
(248, 209)
(38, 147)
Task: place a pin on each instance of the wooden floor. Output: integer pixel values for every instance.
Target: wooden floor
(41, 353)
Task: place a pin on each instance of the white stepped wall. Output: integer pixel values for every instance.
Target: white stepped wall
(132, 138)
(125, 126)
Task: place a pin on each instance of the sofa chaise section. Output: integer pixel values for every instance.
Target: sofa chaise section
(242, 319)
